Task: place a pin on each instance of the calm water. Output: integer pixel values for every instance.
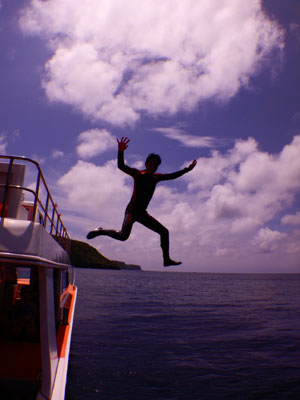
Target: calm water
(154, 335)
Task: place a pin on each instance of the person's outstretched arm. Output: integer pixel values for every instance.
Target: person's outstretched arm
(177, 174)
(122, 146)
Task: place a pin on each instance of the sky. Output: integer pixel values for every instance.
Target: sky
(216, 81)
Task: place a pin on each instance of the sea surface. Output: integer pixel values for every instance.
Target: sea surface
(185, 336)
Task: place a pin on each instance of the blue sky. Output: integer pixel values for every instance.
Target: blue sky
(213, 81)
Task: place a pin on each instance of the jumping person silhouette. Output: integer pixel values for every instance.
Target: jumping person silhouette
(144, 186)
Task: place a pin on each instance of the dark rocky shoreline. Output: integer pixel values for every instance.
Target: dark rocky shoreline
(83, 255)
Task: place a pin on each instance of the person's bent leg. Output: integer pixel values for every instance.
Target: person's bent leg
(122, 235)
(151, 223)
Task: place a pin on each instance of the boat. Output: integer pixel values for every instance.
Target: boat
(37, 286)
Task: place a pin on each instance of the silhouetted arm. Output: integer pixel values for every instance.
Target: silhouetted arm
(177, 174)
(122, 146)
(121, 163)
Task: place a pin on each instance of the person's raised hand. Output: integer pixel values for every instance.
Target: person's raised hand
(123, 143)
(192, 165)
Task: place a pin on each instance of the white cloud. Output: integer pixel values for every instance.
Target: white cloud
(267, 240)
(3, 143)
(291, 219)
(138, 165)
(57, 154)
(92, 189)
(94, 142)
(190, 140)
(114, 60)
(293, 245)
(215, 169)
(219, 219)
(247, 186)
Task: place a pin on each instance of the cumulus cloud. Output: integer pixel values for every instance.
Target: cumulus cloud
(115, 60)
(94, 142)
(246, 185)
(223, 214)
(215, 169)
(94, 189)
(267, 240)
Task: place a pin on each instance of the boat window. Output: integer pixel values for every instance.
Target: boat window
(23, 273)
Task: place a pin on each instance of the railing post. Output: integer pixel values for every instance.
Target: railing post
(46, 211)
(36, 195)
(57, 222)
(52, 219)
(61, 224)
(6, 188)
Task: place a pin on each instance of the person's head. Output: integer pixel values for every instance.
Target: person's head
(152, 162)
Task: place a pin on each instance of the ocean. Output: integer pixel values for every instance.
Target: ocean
(142, 335)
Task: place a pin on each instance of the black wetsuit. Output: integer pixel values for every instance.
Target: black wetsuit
(144, 187)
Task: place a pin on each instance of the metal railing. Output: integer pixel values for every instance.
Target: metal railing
(49, 217)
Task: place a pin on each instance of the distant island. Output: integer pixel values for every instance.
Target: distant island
(83, 255)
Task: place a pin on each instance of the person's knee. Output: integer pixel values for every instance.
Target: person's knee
(124, 236)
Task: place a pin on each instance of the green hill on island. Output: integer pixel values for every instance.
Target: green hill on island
(83, 255)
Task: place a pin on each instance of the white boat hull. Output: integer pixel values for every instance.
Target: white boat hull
(36, 311)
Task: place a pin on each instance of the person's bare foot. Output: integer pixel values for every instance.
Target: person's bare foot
(168, 262)
(94, 233)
